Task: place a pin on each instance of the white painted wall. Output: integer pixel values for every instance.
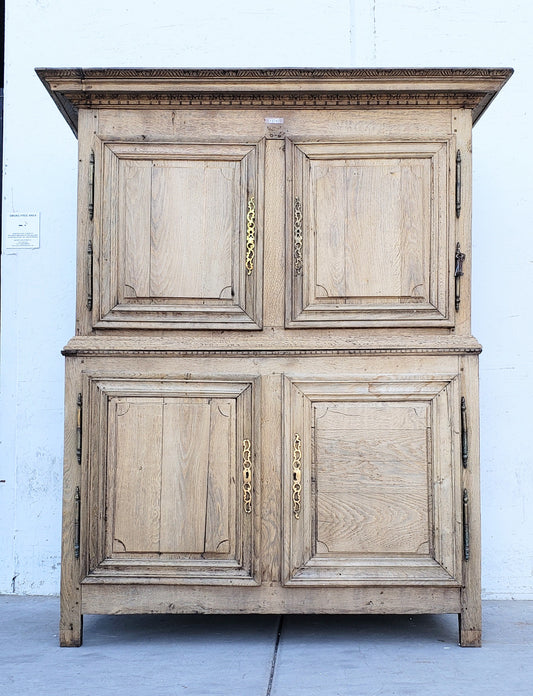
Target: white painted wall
(40, 175)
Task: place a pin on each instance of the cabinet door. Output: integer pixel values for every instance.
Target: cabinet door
(178, 231)
(167, 462)
(368, 234)
(370, 485)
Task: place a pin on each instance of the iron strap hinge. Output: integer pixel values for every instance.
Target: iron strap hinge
(79, 414)
(90, 275)
(466, 526)
(91, 186)
(459, 260)
(77, 516)
(464, 433)
(458, 184)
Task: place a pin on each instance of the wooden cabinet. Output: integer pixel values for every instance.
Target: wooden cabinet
(271, 397)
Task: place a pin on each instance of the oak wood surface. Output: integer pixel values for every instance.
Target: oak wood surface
(375, 233)
(360, 350)
(134, 599)
(470, 88)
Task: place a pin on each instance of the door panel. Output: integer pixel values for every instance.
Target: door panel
(172, 235)
(170, 479)
(378, 499)
(372, 245)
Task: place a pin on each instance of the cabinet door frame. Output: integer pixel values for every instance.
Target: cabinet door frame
(304, 307)
(303, 565)
(111, 307)
(103, 565)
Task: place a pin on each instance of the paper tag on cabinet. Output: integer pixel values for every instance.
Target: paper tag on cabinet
(22, 231)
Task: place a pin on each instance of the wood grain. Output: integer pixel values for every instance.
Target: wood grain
(361, 354)
(377, 219)
(135, 443)
(170, 236)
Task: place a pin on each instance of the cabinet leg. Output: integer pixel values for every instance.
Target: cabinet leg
(469, 631)
(70, 629)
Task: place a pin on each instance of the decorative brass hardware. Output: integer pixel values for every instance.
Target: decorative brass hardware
(296, 476)
(458, 184)
(247, 476)
(90, 275)
(298, 239)
(466, 526)
(77, 514)
(464, 433)
(250, 235)
(78, 427)
(91, 186)
(459, 260)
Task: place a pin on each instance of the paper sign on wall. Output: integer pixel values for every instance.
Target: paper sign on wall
(22, 231)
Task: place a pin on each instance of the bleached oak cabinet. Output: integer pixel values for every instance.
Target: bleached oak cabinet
(271, 397)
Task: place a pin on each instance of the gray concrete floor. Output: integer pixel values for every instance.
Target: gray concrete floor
(234, 655)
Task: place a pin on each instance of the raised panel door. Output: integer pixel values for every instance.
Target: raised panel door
(177, 240)
(165, 462)
(371, 489)
(369, 240)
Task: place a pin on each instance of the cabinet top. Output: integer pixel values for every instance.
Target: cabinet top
(302, 88)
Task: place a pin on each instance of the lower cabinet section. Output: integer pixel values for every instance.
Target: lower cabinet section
(271, 484)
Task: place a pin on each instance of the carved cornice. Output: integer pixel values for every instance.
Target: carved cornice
(270, 73)
(469, 88)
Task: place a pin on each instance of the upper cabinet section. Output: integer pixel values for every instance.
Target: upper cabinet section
(354, 184)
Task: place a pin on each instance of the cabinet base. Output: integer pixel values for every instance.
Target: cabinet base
(71, 633)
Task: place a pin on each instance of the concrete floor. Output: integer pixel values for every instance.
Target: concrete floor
(240, 655)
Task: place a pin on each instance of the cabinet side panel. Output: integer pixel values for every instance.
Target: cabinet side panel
(470, 617)
(70, 624)
(87, 126)
(462, 124)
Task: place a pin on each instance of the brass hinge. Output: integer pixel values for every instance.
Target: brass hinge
(79, 414)
(459, 260)
(77, 515)
(91, 186)
(90, 275)
(464, 433)
(458, 184)
(466, 526)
